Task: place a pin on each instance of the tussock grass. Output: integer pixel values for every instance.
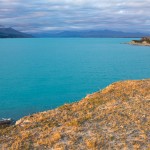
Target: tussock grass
(116, 117)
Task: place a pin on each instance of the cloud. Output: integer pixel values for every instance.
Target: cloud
(46, 15)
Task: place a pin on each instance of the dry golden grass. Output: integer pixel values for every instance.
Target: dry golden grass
(114, 118)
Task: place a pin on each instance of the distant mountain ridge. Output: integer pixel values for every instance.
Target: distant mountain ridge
(12, 33)
(92, 33)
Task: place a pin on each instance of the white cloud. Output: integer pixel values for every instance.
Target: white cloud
(76, 14)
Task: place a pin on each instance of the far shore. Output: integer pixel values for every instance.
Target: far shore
(145, 41)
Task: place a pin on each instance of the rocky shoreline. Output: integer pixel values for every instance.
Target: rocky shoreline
(145, 41)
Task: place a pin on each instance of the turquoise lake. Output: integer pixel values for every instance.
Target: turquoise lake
(41, 74)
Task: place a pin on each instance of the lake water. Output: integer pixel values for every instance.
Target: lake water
(41, 74)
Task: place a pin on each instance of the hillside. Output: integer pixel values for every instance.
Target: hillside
(145, 41)
(12, 33)
(116, 117)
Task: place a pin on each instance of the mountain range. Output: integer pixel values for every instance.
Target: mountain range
(12, 33)
(92, 34)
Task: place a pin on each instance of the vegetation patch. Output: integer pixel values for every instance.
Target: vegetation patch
(116, 117)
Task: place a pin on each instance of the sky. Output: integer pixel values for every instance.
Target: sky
(47, 15)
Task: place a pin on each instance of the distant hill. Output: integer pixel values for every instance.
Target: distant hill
(91, 33)
(12, 33)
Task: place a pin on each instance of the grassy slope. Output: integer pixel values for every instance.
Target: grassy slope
(114, 118)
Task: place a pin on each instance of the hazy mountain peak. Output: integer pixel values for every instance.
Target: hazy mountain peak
(9, 32)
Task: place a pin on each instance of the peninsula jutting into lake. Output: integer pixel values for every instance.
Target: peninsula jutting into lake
(145, 41)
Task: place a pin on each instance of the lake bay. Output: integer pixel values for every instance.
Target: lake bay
(40, 74)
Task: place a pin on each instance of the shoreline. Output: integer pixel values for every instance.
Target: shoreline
(88, 96)
(138, 44)
(145, 41)
(119, 111)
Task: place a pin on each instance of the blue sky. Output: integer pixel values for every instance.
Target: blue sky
(47, 15)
